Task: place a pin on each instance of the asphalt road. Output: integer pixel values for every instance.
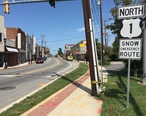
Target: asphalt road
(114, 67)
(18, 83)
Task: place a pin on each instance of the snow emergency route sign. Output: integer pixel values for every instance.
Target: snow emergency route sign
(134, 11)
(130, 49)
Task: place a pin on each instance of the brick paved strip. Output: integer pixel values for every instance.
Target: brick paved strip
(51, 104)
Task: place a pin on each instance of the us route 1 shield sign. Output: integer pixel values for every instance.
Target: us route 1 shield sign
(130, 48)
(131, 28)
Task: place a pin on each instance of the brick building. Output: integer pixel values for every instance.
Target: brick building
(18, 36)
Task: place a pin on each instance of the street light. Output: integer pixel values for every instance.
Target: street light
(5, 67)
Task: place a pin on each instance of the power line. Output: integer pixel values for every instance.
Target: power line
(66, 39)
(94, 11)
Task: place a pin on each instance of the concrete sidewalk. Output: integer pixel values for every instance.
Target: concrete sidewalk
(73, 100)
(18, 66)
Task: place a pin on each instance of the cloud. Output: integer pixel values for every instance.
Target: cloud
(81, 29)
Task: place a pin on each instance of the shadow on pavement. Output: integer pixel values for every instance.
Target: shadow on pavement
(78, 83)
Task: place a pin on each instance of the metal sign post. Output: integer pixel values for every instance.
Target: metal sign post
(128, 83)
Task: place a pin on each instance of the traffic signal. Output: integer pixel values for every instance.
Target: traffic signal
(6, 7)
(52, 3)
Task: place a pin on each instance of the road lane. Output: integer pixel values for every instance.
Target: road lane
(26, 83)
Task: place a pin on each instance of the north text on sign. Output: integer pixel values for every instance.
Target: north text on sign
(131, 11)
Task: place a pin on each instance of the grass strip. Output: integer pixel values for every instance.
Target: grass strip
(41, 95)
(115, 96)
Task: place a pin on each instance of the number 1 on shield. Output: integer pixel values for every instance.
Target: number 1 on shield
(130, 28)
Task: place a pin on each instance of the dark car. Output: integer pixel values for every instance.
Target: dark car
(45, 58)
(39, 60)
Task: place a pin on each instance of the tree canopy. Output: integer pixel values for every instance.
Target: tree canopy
(60, 52)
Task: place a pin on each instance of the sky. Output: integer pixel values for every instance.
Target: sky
(61, 25)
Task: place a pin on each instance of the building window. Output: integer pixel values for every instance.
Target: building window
(0, 37)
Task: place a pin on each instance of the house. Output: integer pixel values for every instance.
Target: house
(68, 49)
(19, 47)
(18, 36)
(2, 35)
(79, 50)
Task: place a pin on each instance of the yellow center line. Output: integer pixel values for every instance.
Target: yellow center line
(58, 62)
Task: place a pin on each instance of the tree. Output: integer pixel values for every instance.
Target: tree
(60, 52)
(98, 49)
(107, 53)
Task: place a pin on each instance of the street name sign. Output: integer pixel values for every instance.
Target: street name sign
(131, 28)
(130, 48)
(134, 11)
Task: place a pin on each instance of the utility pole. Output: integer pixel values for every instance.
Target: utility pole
(101, 29)
(105, 33)
(32, 47)
(29, 48)
(90, 46)
(42, 44)
(107, 39)
(45, 48)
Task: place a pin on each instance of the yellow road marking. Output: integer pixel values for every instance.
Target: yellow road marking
(58, 62)
(42, 84)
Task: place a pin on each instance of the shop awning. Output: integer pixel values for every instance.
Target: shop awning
(11, 49)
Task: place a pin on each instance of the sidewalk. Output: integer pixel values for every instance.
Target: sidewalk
(74, 100)
(17, 66)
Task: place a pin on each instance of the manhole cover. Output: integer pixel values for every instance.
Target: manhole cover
(7, 88)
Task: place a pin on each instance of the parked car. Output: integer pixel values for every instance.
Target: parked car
(39, 60)
(69, 58)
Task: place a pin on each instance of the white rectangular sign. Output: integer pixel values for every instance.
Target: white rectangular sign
(134, 11)
(130, 49)
(19, 40)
